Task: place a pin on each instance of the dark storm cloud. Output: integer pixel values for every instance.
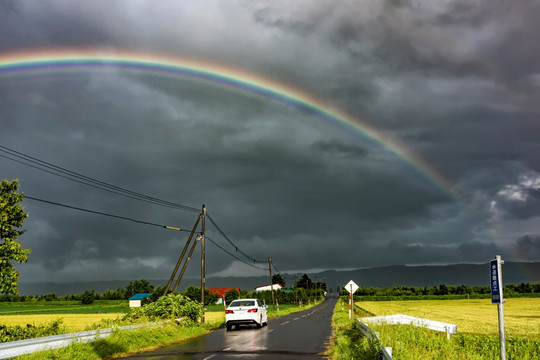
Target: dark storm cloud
(279, 180)
(529, 246)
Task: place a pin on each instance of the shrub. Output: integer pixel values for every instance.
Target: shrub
(171, 306)
(88, 297)
(17, 332)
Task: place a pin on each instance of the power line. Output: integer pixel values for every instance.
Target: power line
(102, 213)
(275, 268)
(234, 256)
(230, 242)
(59, 171)
(86, 180)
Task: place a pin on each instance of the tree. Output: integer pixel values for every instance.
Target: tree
(231, 295)
(137, 287)
(12, 217)
(304, 282)
(88, 297)
(278, 279)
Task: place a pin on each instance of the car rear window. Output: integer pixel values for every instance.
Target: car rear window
(243, 303)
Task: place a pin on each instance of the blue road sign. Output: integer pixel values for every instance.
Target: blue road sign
(496, 283)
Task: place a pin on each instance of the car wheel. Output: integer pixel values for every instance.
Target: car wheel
(228, 327)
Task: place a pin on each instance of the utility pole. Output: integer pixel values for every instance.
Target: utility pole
(203, 215)
(173, 275)
(271, 285)
(295, 293)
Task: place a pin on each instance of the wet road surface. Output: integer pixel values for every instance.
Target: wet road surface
(302, 335)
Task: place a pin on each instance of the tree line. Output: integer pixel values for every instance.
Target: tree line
(508, 290)
(288, 296)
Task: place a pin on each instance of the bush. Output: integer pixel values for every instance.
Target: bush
(88, 297)
(231, 295)
(170, 307)
(17, 332)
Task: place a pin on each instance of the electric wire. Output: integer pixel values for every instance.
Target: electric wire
(230, 242)
(56, 170)
(234, 256)
(275, 268)
(104, 214)
(86, 180)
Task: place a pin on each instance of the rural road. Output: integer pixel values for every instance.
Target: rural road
(302, 335)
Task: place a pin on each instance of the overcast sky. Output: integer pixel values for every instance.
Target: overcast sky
(457, 83)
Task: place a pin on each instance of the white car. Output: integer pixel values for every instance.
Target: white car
(246, 311)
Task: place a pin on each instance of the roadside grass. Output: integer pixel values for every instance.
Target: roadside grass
(477, 336)
(414, 343)
(475, 316)
(122, 343)
(348, 342)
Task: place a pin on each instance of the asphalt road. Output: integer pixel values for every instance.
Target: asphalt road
(302, 335)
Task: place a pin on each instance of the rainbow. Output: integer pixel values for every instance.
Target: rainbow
(66, 59)
(62, 60)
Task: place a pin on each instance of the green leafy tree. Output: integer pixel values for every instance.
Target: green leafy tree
(304, 282)
(12, 217)
(138, 286)
(193, 292)
(231, 295)
(88, 297)
(278, 279)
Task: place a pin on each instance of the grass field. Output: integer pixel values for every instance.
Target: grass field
(76, 317)
(73, 322)
(522, 315)
(63, 307)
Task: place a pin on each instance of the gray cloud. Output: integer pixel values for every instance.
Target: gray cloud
(449, 81)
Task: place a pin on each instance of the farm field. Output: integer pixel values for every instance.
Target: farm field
(76, 317)
(72, 322)
(63, 307)
(475, 316)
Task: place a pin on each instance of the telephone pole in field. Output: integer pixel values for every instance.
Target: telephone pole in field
(271, 285)
(203, 216)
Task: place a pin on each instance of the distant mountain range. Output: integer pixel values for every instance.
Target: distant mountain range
(382, 277)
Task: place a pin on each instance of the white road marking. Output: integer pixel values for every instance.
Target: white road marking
(269, 331)
(296, 318)
(227, 349)
(286, 322)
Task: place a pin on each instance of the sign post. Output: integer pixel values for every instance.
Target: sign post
(497, 298)
(351, 287)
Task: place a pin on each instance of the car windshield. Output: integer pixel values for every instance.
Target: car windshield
(242, 303)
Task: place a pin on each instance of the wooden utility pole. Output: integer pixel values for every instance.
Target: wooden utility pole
(271, 285)
(180, 260)
(295, 293)
(203, 215)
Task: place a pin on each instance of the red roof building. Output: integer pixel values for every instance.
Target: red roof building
(221, 291)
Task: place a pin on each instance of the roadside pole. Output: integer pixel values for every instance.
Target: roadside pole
(497, 298)
(203, 275)
(271, 285)
(351, 306)
(351, 287)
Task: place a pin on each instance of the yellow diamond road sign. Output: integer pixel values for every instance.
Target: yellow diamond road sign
(351, 287)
